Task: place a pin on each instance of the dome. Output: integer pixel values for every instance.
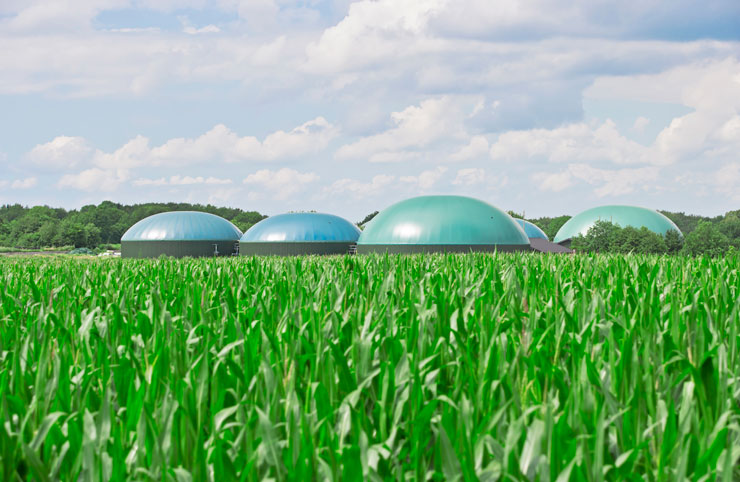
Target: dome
(301, 228)
(299, 234)
(442, 223)
(182, 226)
(531, 229)
(623, 216)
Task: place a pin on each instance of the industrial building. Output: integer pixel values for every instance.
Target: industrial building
(299, 233)
(429, 224)
(180, 234)
(623, 216)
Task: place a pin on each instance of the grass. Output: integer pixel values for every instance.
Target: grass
(503, 367)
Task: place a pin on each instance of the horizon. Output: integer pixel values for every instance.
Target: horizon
(346, 107)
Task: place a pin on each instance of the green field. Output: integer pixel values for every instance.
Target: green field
(508, 367)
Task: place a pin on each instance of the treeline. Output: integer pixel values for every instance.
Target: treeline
(701, 235)
(706, 238)
(92, 226)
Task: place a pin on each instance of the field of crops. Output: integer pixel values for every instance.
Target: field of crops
(510, 367)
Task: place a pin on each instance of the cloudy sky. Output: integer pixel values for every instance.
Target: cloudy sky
(542, 106)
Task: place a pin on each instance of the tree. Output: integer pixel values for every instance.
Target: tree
(673, 241)
(730, 227)
(706, 239)
(368, 218)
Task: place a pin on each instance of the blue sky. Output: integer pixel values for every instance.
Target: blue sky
(347, 106)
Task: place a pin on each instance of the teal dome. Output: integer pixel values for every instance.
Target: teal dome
(443, 220)
(302, 228)
(182, 226)
(531, 229)
(623, 216)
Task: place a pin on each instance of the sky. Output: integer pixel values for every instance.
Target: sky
(542, 107)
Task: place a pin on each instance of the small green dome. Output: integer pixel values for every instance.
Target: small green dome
(623, 216)
(443, 220)
(531, 229)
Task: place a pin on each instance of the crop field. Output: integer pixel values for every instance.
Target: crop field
(469, 367)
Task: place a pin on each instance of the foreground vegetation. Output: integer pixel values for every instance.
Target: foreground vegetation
(348, 368)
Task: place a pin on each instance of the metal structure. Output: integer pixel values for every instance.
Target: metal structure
(428, 224)
(180, 234)
(623, 216)
(531, 230)
(299, 234)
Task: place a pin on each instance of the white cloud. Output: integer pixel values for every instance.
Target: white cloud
(26, 183)
(62, 152)
(640, 124)
(710, 88)
(426, 179)
(283, 183)
(181, 181)
(414, 127)
(610, 182)
(477, 147)
(217, 145)
(727, 180)
(572, 142)
(95, 179)
(371, 32)
(469, 176)
(220, 143)
(190, 29)
(359, 189)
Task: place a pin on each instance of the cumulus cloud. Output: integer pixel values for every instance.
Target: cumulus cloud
(62, 152)
(469, 176)
(727, 180)
(414, 127)
(640, 124)
(426, 179)
(95, 179)
(359, 189)
(609, 182)
(26, 183)
(475, 149)
(281, 184)
(372, 31)
(573, 142)
(181, 181)
(220, 144)
(710, 88)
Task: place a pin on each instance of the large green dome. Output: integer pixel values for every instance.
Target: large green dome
(442, 223)
(623, 216)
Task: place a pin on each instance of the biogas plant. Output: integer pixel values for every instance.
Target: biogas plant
(424, 224)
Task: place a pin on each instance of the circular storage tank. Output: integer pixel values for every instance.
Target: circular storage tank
(429, 224)
(623, 216)
(179, 234)
(299, 233)
(531, 229)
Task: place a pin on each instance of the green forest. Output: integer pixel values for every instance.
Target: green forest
(92, 226)
(95, 226)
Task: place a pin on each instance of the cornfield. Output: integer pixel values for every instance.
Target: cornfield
(468, 367)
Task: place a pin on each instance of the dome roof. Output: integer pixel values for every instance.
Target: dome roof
(443, 220)
(623, 216)
(302, 227)
(182, 226)
(531, 229)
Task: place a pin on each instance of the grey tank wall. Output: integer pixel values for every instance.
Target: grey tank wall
(272, 248)
(177, 249)
(439, 248)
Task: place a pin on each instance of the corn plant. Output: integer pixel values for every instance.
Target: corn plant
(445, 367)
